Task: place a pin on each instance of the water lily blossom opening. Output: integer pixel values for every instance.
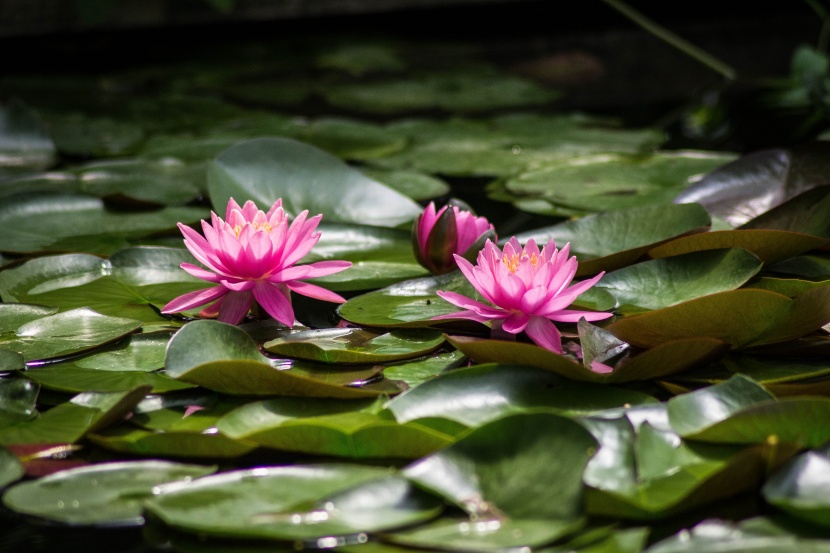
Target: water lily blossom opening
(251, 256)
(528, 288)
(439, 235)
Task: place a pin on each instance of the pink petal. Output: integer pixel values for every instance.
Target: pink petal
(236, 285)
(276, 213)
(467, 303)
(572, 315)
(312, 270)
(581, 287)
(235, 306)
(470, 315)
(314, 291)
(232, 205)
(201, 273)
(533, 299)
(194, 299)
(426, 222)
(516, 323)
(545, 334)
(274, 302)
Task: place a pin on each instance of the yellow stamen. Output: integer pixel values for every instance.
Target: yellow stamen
(512, 262)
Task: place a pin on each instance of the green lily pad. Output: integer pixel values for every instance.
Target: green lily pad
(105, 494)
(148, 443)
(354, 345)
(649, 473)
(475, 395)
(664, 282)
(495, 534)
(357, 59)
(224, 358)
(806, 266)
(71, 421)
(739, 411)
(508, 144)
(666, 358)
(62, 222)
(342, 428)
(452, 92)
(741, 318)
(801, 489)
(606, 182)
(770, 246)
(417, 371)
(11, 469)
(609, 241)
(162, 182)
(15, 315)
(310, 179)
(68, 377)
(293, 503)
(504, 468)
(421, 187)
(77, 134)
(67, 333)
(807, 213)
(25, 144)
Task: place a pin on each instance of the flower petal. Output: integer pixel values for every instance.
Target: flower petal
(572, 315)
(194, 299)
(473, 305)
(314, 291)
(545, 334)
(274, 302)
(203, 274)
(235, 306)
(516, 323)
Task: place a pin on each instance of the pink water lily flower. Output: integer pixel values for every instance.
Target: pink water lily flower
(251, 256)
(528, 288)
(439, 235)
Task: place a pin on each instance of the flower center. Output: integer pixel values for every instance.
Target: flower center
(267, 227)
(512, 261)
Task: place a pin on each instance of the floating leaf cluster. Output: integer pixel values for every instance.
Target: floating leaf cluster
(376, 428)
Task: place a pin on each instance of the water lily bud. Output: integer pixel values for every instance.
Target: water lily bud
(453, 230)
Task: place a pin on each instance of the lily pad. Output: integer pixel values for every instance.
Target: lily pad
(62, 222)
(293, 503)
(609, 241)
(77, 134)
(342, 428)
(310, 179)
(354, 345)
(606, 182)
(666, 358)
(224, 358)
(421, 187)
(105, 494)
(503, 468)
(801, 488)
(25, 144)
(11, 469)
(664, 282)
(757, 182)
(18, 400)
(742, 318)
(475, 395)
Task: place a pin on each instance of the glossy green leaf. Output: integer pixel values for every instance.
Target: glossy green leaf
(224, 358)
(70, 421)
(807, 213)
(740, 411)
(106, 494)
(418, 186)
(175, 444)
(770, 246)
(447, 534)
(354, 345)
(342, 428)
(25, 144)
(805, 266)
(15, 315)
(417, 371)
(310, 179)
(61, 222)
(76, 134)
(606, 182)
(293, 503)
(475, 395)
(67, 333)
(757, 182)
(453, 91)
(752, 536)
(650, 473)
(663, 282)
(503, 467)
(70, 378)
(362, 57)
(666, 358)
(739, 317)
(11, 469)
(163, 182)
(801, 488)
(608, 241)
(507, 144)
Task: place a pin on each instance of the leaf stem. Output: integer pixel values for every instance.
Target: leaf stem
(671, 38)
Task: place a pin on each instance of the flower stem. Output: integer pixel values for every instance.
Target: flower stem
(668, 36)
